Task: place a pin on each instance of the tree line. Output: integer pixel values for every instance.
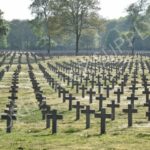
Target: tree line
(77, 24)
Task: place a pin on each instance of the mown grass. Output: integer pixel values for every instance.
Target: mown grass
(29, 131)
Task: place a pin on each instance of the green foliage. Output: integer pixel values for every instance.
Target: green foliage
(75, 13)
(57, 21)
(111, 42)
(3, 42)
(136, 12)
(89, 39)
(3, 27)
(3, 31)
(70, 24)
(134, 30)
(45, 12)
(21, 36)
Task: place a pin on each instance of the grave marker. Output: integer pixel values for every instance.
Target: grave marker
(91, 93)
(9, 118)
(88, 112)
(78, 107)
(113, 106)
(100, 99)
(130, 111)
(54, 116)
(103, 117)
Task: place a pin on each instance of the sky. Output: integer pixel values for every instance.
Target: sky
(114, 9)
(19, 9)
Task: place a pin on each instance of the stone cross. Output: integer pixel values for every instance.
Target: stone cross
(113, 106)
(54, 116)
(92, 83)
(107, 90)
(60, 90)
(78, 107)
(88, 112)
(100, 98)
(133, 88)
(64, 95)
(83, 88)
(70, 98)
(86, 80)
(47, 113)
(147, 92)
(103, 117)
(132, 99)
(118, 92)
(91, 93)
(122, 84)
(99, 85)
(130, 111)
(9, 118)
(148, 113)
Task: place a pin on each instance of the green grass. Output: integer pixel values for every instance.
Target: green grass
(29, 131)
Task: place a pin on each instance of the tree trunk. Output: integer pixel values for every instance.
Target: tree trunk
(49, 44)
(132, 50)
(77, 44)
(133, 41)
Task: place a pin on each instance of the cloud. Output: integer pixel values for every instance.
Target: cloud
(15, 9)
(114, 8)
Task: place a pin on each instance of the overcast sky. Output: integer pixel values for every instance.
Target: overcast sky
(19, 9)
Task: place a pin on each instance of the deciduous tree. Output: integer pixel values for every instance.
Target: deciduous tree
(75, 13)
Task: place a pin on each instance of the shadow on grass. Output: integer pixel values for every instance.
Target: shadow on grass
(122, 129)
(72, 130)
(33, 130)
(140, 122)
(20, 148)
(42, 135)
(98, 135)
(143, 135)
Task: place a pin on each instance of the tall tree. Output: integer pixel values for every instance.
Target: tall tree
(97, 23)
(75, 13)
(3, 31)
(135, 12)
(44, 11)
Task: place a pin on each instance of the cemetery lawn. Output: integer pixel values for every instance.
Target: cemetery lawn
(29, 132)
